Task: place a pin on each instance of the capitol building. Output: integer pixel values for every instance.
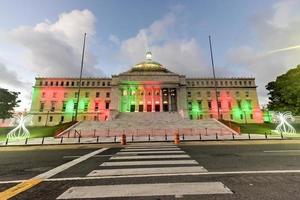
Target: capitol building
(147, 87)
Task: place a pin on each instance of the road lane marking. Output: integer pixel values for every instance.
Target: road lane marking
(149, 162)
(283, 151)
(145, 171)
(27, 184)
(149, 152)
(137, 190)
(148, 157)
(95, 156)
(21, 187)
(156, 175)
(151, 149)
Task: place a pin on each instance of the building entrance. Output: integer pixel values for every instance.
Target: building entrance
(132, 108)
(157, 108)
(149, 108)
(141, 108)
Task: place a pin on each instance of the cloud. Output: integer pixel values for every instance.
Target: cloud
(280, 28)
(54, 49)
(161, 37)
(9, 77)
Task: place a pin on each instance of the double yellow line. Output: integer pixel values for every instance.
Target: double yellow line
(17, 189)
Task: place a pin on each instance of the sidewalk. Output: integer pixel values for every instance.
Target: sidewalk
(93, 140)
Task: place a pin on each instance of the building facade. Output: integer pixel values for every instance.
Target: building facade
(146, 87)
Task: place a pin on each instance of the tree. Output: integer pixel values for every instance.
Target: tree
(8, 101)
(285, 92)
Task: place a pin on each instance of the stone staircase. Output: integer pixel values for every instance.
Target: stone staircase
(155, 122)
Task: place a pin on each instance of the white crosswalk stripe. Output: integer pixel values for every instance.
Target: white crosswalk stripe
(142, 160)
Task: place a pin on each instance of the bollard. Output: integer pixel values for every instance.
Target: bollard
(123, 139)
(200, 138)
(26, 140)
(79, 139)
(132, 137)
(182, 136)
(281, 135)
(115, 139)
(176, 137)
(149, 137)
(266, 136)
(233, 136)
(166, 137)
(61, 140)
(6, 142)
(43, 139)
(97, 139)
(249, 136)
(217, 136)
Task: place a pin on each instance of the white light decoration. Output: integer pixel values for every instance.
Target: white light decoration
(283, 120)
(20, 131)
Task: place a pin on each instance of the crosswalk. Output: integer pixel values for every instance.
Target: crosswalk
(140, 160)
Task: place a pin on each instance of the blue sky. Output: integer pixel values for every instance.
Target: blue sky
(43, 38)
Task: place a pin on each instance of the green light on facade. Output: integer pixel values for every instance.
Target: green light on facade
(70, 106)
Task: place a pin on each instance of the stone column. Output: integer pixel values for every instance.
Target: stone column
(152, 103)
(161, 100)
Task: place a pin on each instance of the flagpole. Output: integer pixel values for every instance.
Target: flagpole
(80, 77)
(214, 74)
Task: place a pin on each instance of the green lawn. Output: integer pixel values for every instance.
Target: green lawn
(37, 131)
(262, 128)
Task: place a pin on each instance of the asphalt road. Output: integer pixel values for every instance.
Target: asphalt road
(246, 170)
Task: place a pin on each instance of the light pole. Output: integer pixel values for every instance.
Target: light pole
(80, 77)
(214, 74)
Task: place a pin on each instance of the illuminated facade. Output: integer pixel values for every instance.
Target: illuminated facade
(146, 87)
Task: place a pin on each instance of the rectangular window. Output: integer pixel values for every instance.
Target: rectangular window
(209, 105)
(227, 93)
(42, 106)
(103, 83)
(41, 83)
(43, 94)
(87, 83)
(75, 106)
(237, 94)
(208, 93)
(199, 94)
(86, 105)
(76, 94)
(189, 94)
(218, 93)
(98, 83)
(62, 83)
(107, 94)
(87, 94)
(72, 84)
(63, 106)
(239, 103)
(200, 105)
(219, 104)
(46, 83)
(62, 119)
(229, 105)
(189, 105)
(108, 83)
(67, 83)
(247, 93)
(93, 83)
(51, 119)
(97, 94)
(82, 83)
(96, 106)
(51, 83)
(251, 116)
(107, 105)
(231, 116)
(56, 83)
(40, 119)
(241, 116)
(52, 106)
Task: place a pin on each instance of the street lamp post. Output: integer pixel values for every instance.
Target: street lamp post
(214, 74)
(80, 77)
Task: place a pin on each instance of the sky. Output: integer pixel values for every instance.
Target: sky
(44, 38)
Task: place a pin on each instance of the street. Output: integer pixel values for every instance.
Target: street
(191, 170)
